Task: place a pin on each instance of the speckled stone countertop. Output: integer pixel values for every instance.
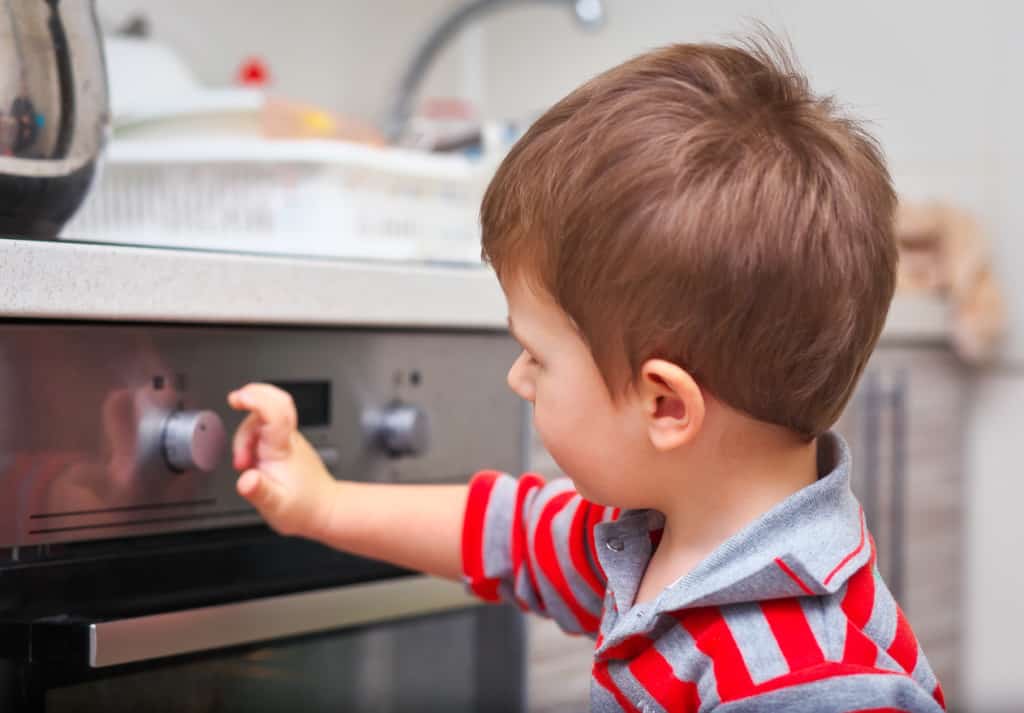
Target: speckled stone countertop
(65, 280)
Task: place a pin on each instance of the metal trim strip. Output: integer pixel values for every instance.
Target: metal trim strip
(123, 641)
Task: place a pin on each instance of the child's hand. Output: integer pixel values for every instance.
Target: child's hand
(282, 476)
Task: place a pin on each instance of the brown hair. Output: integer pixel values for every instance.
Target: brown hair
(699, 204)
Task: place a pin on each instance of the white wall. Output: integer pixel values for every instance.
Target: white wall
(938, 81)
(346, 55)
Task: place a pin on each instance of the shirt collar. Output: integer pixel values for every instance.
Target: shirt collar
(810, 543)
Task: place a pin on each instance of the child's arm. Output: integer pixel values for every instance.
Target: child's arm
(522, 540)
(534, 543)
(413, 526)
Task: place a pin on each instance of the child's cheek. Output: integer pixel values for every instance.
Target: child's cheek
(563, 446)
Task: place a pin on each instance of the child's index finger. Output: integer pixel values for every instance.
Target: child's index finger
(237, 400)
(266, 401)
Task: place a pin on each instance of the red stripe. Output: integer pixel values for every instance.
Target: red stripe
(598, 514)
(628, 648)
(857, 604)
(904, 646)
(604, 678)
(789, 625)
(938, 695)
(828, 669)
(578, 547)
(859, 649)
(859, 599)
(712, 636)
(655, 674)
(547, 558)
(860, 546)
(480, 488)
(528, 483)
(793, 575)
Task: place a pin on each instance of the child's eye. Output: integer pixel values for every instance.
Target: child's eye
(530, 360)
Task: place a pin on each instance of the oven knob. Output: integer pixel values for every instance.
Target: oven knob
(399, 430)
(193, 440)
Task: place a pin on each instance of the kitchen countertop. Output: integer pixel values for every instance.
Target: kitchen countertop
(67, 280)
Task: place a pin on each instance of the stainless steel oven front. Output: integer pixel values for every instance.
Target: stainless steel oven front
(133, 577)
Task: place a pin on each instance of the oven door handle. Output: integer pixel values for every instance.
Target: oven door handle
(123, 641)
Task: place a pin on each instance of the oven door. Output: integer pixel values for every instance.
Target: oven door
(245, 621)
(376, 648)
(410, 643)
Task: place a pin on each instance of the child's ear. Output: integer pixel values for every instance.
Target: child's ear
(672, 402)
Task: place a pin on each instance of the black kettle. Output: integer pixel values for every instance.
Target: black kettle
(54, 112)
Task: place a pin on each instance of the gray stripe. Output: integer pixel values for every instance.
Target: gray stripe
(814, 609)
(835, 624)
(525, 591)
(756, 642)
(553, 602)
(881, 626)
(689, 663)
(853, 528)
(886, 662)
(610, 617)
(497, 535)
(535, 508)
(923, 673)
(633, 689)
(582, 591)
(841, 694)
(601, 701)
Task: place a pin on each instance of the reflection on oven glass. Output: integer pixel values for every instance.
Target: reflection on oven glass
(417, 665)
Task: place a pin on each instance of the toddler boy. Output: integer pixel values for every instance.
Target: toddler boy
(698, 258)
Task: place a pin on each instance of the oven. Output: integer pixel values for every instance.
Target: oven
(134, 578)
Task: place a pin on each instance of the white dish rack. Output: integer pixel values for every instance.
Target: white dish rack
(283, 197)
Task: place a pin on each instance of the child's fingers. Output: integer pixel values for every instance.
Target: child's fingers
(244, 441)
(272, 403)
(262, 492)
(276, 418)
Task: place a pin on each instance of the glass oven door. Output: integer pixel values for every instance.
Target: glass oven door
(409, 643)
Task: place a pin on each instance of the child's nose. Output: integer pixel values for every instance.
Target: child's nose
(518, 380)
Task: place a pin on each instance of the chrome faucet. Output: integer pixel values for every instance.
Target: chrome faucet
(590, 14)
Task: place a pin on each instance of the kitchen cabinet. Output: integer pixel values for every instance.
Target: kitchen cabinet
(905, 426)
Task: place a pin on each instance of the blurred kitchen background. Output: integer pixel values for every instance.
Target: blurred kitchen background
(197, 85)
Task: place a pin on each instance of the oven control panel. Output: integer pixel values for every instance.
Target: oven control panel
(112, 431)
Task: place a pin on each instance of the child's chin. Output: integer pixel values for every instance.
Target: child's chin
(588, 494)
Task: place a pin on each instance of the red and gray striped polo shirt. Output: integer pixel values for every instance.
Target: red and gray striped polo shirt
(790, 614)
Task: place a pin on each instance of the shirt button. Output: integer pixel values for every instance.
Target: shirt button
(615, 545)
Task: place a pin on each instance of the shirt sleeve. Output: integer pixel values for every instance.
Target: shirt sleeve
(531, 542)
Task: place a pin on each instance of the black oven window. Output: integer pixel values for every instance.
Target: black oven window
(312, 401)
(418, 665)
